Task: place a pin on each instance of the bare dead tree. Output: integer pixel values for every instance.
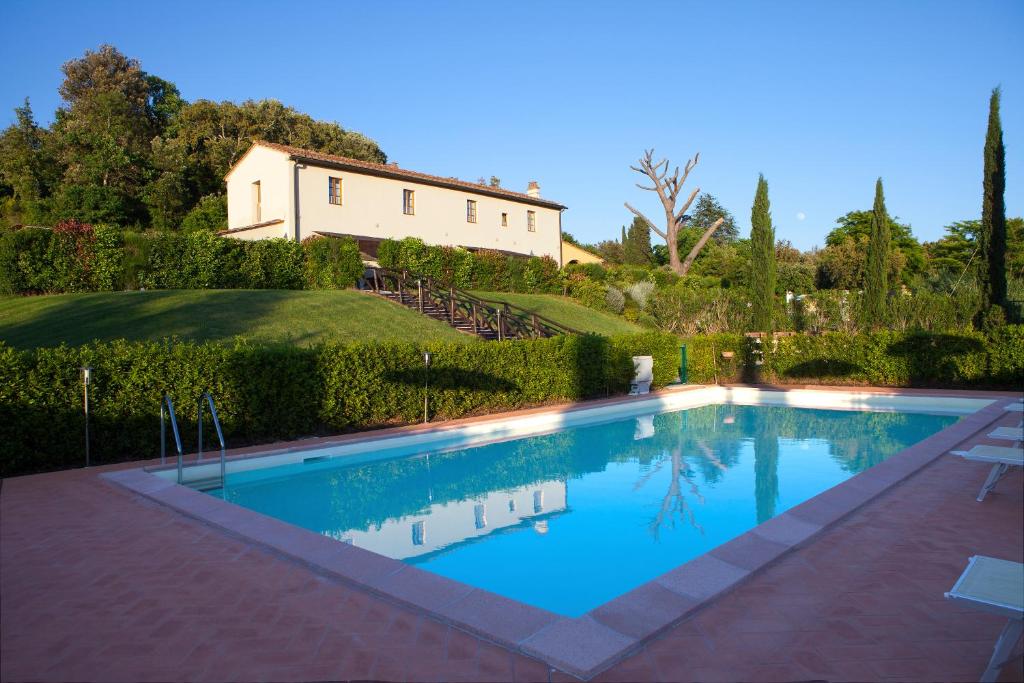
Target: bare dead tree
(668, 189)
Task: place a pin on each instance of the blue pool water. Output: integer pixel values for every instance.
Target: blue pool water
(569, 520)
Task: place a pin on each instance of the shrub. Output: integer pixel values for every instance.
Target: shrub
(27, 268)
(589, 293)
(210, 214)
(108, 259)
(640, 292)
(70, 255)
(614, 299)
(888, 358)
(484, 269)
(278, 392)
(331, 263)
(594, 271)
(704, 361)
(272, 264)
(389, 254)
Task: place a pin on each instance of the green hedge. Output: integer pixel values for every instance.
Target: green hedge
(481, 270)
(77, 257)
(704, 361)
(267, 393)
(927, 359)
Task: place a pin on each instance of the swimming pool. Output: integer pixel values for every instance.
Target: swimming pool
(570, 519)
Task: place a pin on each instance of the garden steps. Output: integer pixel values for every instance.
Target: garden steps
(436, 312)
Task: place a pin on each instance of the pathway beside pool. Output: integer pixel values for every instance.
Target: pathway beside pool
(98, 583)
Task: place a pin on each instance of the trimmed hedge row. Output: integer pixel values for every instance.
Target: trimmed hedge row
(77, 257)
(484, 269)
(965, 359)
(267, 393)
(926, 359)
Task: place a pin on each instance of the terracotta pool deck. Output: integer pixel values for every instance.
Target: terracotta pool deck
(97, 583)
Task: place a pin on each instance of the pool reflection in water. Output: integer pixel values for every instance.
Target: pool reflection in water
(569, 520)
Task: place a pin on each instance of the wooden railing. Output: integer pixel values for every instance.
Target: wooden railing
(504, 320)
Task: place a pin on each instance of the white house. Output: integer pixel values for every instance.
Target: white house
(281, 191)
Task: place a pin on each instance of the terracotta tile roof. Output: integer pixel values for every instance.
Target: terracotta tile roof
(394, 171)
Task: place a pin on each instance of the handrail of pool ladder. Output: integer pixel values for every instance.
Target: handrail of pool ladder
(167, 408)
(220, 436)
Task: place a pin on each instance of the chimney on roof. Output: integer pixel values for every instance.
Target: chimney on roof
(533, 189)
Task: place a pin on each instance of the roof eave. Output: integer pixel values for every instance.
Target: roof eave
(398, 175)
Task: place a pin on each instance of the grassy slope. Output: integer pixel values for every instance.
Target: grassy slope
(566, 311)
(272, 315)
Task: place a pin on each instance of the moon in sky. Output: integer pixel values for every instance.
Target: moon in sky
(800, 215)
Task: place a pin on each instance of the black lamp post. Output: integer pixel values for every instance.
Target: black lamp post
(426, 384)
(86, 376)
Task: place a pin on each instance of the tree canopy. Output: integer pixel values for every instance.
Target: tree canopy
(126, 149)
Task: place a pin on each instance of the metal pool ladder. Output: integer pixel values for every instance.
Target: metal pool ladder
(220, 438)
(167, 411)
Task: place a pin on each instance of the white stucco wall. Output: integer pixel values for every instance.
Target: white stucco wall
(372, 206)
(271, 168)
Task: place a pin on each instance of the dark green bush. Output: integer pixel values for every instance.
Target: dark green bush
(75, 257)
(331, 263)
(484, 269)
(705, 363)
(272, 264)
(25, 268)
(276, 392)
(887, 358)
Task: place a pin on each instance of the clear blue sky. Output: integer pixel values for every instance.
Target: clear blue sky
(821, 97)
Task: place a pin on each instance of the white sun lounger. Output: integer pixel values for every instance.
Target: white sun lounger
(1007, 434)
(1002, 459)
(994, 586)
(1015, 407)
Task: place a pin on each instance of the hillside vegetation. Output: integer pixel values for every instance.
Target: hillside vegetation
(566, 311)
(298, 317)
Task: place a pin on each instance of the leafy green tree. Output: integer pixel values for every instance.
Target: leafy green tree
(636, 251)
(992, 232)
(958, 248)
(876, 274)
(841, 265)
(26, 168)
(762, 271)
(126, 149)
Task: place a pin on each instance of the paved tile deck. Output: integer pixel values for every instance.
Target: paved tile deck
(99, 584)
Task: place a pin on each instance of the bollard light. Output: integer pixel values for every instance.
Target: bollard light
(86, 377)
(426, 384)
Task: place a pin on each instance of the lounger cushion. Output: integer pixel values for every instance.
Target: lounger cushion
(994, 454)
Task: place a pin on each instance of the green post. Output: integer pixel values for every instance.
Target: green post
(682, 363)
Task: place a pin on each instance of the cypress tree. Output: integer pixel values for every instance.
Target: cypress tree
(762, 244)
(624, 238)
(637, 251)
(876, 271)
(992, 235)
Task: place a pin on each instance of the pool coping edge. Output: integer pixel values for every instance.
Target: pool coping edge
(586, 645)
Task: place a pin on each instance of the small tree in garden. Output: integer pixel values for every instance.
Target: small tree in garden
(992, 235)
(637, 248)
(876, 275)
(762, 245)
(668, 189)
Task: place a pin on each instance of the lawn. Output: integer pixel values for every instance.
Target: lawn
(566, 311)
(298, 317)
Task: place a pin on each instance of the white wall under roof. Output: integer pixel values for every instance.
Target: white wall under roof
(372, 206)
